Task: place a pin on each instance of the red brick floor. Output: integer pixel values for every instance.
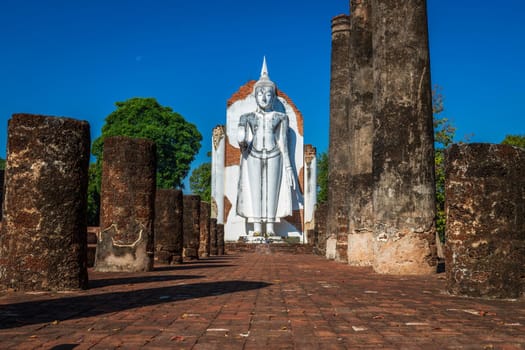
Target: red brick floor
(259, 300)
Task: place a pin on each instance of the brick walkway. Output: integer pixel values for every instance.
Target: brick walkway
(259, 300)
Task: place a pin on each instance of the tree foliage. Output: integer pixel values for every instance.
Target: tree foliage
(514, 140)
(177, 141)
(2, 163)
(444, 133)
(200, 181)
(322, 177)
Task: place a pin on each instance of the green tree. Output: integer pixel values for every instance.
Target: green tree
(322, 177)
(177, 140)
(444, 133)
(200, 181)
(514, 140)
(2, 163)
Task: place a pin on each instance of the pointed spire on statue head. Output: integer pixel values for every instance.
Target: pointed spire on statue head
(264, 69)
(264, 80)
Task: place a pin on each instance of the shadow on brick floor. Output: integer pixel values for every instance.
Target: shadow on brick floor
(44, 311)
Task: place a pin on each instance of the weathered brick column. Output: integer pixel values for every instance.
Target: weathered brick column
(168, 226)
(310, 191)
(204, 217)
(403, 143)
(127, 202)
(220, 239)
(92, 239)
(485, 208)
(339, 163)
(218, 158)
(320, 229)
(213, 236)
(360, 136)
(1, 192)
(191, 226)
(43, 242)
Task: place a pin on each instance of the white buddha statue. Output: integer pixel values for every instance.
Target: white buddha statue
(266, 175)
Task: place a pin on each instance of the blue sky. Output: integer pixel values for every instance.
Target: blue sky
(76, 58)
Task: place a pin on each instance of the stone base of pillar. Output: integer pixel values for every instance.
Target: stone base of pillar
(112, 256)
(361, 249)
(341, 250)
(331, 244)
(403, 254)
(190, 253)
(167, 257)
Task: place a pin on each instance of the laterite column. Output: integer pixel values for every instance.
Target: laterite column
(204, 243)
(191, 226)
(213, 236)
(127, 201)
(168, 226)
(43, 243)
(485, 209)
(338, 153)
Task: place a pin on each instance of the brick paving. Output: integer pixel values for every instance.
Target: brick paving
(259, 300)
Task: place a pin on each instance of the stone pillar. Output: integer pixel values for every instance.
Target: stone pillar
(403, 143)
(360, 136)
(127, 202)
(320, 229)
(213, 236)
(338, 169)
(485, 211)
(220, 239)
(92, 239)
(168, 226)
(43, 243)
(218, 156)
(310, 189)
(1, 193)
(191, 226)
(204, 243)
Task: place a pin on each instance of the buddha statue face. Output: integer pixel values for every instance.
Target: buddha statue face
(264, 95)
